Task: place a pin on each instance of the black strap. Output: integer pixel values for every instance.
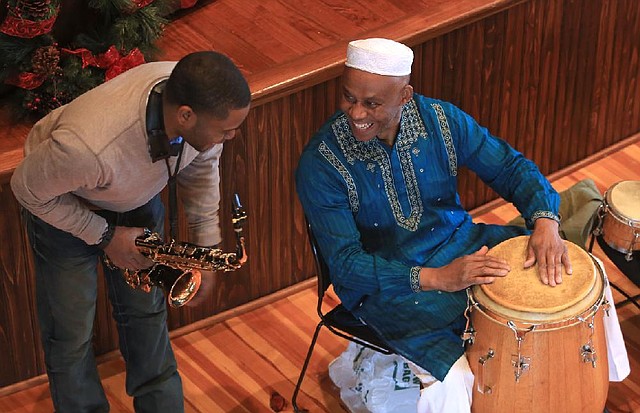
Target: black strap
(173, 193)
(160, 147)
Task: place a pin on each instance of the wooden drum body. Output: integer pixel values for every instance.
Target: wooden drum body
(538, 348)
(620, 217)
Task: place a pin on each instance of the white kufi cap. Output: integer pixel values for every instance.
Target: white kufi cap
(380, 56)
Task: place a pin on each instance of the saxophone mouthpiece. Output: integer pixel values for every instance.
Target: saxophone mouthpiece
(238, 217)
(238, 214)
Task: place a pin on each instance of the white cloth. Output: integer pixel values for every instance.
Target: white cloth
(380, 56)
(453, 395)
(617, 355)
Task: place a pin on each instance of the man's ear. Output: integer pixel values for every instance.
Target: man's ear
(186, 117)
(407, 93)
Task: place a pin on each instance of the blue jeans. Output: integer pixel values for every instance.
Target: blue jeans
(66, 290)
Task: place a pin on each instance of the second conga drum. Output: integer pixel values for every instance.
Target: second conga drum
(539, 348)
(620, 217)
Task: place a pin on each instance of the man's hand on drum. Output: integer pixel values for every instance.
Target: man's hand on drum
(548, 250)
(476, 268)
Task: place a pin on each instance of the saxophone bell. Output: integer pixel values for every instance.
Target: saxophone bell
(179, 285)
(178, 264)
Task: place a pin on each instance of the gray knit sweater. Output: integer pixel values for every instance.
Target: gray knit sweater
(93, 151)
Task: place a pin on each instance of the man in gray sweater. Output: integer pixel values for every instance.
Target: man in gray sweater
(90, 184)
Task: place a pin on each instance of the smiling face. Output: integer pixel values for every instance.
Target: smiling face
(373, 103)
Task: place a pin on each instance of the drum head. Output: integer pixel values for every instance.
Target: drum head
(521, 290)
(624, 198)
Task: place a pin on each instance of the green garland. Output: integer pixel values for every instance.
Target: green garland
(62, 72)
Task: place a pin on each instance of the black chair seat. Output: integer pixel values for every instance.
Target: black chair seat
(342, 319)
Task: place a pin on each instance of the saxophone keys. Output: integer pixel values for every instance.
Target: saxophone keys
(132, 278)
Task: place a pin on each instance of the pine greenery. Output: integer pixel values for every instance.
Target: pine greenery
(120, 23)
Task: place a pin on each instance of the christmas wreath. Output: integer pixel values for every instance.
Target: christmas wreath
(41, 72)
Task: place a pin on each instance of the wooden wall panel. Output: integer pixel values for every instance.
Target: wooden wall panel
(556, 79)
(559, 80)
(20, 348)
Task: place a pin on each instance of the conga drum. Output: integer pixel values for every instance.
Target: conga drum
(538, 348)
(619, 216)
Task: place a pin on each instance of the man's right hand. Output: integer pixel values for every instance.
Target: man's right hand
(476, 268)
(122, 250)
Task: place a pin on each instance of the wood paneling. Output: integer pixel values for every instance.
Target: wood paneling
(20, 350)
(535, 75)
(557, 79)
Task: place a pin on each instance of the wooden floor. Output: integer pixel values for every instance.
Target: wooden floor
(238, 364)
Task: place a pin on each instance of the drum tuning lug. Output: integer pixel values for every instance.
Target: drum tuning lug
(483, 373)
(521, 365)
(468, 336)
(588, 354)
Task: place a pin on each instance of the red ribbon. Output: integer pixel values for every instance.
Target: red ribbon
(26, 80)
(111, 60)
(27, 29)
(133, 59)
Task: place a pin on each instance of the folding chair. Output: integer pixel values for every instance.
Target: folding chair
(338, 320)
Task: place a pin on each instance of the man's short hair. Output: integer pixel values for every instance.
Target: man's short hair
(209, 82)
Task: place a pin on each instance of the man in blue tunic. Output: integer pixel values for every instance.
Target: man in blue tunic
(378, 185)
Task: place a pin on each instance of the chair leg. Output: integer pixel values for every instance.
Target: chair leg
(632, 300)
(304, 366)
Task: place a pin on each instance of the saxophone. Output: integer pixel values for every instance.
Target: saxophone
(177, 265)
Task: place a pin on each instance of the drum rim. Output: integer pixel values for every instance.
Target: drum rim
(615, 212)
(546, 325)
(618, 216)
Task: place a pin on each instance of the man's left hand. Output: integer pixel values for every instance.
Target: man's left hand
(205, 292)
(548, 249)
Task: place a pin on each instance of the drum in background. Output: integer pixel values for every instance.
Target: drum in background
(538, 348)
(619, 217)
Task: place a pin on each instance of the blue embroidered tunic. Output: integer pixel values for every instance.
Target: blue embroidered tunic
(380, 213)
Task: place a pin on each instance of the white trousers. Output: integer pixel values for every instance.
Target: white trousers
(453, 395)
